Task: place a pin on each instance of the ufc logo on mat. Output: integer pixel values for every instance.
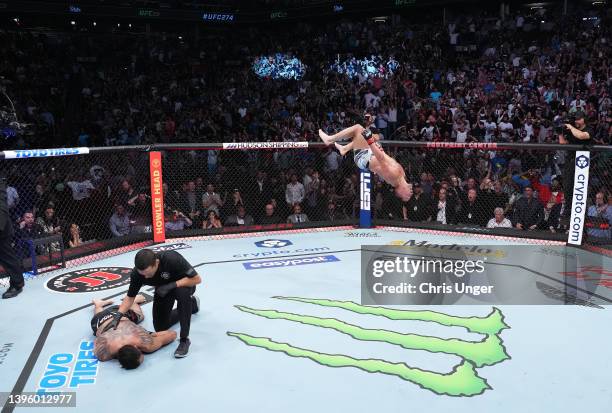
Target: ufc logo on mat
(365, 190)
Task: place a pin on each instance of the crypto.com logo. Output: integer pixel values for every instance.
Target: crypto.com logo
(582, 161)
(273, 243)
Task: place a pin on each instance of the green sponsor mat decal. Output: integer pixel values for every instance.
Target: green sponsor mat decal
(463, 380)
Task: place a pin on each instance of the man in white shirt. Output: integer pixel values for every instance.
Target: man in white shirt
(528, 129)
(499, 221)
(295, 192)
(490, 128)
(577, 104)
(506, 129)
(461, 133)
(427, 132)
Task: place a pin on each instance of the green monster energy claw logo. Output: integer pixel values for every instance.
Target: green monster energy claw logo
(463, 380)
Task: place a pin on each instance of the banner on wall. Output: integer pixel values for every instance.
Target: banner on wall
(365, 213)
(157, 197)
(579, 197)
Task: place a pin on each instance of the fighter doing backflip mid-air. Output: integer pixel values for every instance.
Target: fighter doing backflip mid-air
(369, 155)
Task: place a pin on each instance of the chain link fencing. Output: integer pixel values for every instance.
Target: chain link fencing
(99, 204)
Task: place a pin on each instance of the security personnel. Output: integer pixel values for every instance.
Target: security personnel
(174, 279)
(8, 257)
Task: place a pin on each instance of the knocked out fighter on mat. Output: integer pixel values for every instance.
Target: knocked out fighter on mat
(369, 155)
(128, 341)
(174, 280)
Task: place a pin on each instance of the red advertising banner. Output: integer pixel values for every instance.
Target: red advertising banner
(157, 197)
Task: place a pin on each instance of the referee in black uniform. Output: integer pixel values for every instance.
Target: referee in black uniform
(8, 258)
(174, 279)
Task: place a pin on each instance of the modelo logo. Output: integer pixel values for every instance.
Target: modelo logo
(273, 243)
(70, 370)
(467, 249)
(365, 191)
(90, 280)
(582, 161)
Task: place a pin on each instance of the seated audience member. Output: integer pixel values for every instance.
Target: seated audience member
(270, 217)
(50, 224)
(602, 209)
(231, 206)
(191, 201)
(552, 212)
(298, 216)
(240, 218)
(499, 221)
(177, 221)
(139, 208)
(333, 214)
(119, 223)
(212, 221)
(74, 236)
(528, 211)
(28, 229)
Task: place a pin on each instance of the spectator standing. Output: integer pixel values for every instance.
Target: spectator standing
(295, 191)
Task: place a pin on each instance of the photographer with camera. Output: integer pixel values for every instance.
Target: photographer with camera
(577, 134)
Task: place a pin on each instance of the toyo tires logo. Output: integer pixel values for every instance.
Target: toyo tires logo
(90, 280)
(464, 380)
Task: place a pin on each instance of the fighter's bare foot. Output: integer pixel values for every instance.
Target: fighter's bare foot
(343, 149)
(324, 137)
(101, 303)
(139, 299)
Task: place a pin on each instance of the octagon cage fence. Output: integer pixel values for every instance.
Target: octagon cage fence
(75, 205)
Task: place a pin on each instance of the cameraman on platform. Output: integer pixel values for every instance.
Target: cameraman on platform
(579, 134)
